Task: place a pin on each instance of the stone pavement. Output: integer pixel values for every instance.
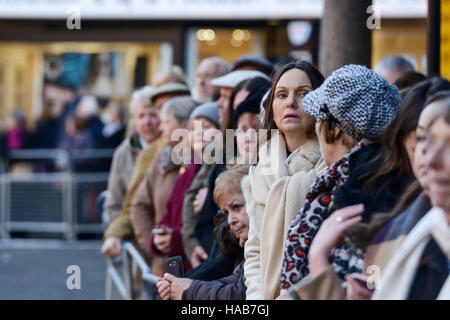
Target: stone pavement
(36, 269)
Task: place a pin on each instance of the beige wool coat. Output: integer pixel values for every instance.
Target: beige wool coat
(274, 197)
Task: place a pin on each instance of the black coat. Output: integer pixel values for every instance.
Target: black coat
(378, 200)
(228, 288)
(224, 254)
(431, 274)
(205, 222)
(352, 192)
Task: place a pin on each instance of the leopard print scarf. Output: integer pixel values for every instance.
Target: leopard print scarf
(318, 206)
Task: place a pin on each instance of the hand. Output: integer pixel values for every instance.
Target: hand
(162, 242)
(200, 199)
(356, 290)
(330, 235)
(198, 256)
(112, 247)
(164, 288)
(177, 286)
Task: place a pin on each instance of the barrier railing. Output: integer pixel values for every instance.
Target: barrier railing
(60, 200)
(121, 273)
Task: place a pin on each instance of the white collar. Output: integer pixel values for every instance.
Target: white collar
(143, 143)
(291, 156)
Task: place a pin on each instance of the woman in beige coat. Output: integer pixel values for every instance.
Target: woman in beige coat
(288, 163)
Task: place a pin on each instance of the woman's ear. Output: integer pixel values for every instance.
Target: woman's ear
(337, 133)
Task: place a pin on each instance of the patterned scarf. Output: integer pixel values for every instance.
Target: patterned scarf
(318, 206)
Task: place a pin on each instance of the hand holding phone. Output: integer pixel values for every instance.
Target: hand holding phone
(175, 266)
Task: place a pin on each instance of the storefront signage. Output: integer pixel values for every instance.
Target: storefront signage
(193, 9)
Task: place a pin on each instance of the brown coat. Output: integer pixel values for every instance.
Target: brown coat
(149, 203)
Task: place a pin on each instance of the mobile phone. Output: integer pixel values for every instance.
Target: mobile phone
(175, 266)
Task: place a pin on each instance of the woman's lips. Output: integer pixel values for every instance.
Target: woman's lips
(291, 116)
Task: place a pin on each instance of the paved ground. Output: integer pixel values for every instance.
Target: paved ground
(36, 269)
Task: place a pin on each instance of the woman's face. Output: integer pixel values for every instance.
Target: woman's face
(246, 134)
(168, 125)
(147, 122)
(288, 113)
(201, 132)
(419, 168)
(233, 207)
(437, 162)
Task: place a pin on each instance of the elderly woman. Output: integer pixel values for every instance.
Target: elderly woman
(166, 240)
(146, 121)
(228, 195)
(149, 203)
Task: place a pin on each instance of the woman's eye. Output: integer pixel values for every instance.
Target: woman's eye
(282, 95)
(237, 207)
(301, 94)
(420, 138)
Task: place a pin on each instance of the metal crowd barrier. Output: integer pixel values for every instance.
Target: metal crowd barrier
(121, 273)
(59, 201)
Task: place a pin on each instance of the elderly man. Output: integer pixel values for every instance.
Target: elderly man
(207, 70)
(146, 122)
(393, 67)
(121, 227)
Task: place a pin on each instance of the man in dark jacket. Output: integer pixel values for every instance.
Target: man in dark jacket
(228, 194)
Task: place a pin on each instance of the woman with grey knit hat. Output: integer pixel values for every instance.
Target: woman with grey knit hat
(352, 108)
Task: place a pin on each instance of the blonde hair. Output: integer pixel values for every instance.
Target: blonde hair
(229, 181)
(141, 97)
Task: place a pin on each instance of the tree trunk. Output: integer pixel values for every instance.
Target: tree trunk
(344, 35)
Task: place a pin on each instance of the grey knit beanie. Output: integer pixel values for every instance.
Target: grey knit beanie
(209, 111)
(360, 102)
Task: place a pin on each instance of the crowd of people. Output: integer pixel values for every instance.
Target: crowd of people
(75, 124)
(332, 187)
(344, 196)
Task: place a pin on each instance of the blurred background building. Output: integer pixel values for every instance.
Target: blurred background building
(123, 45)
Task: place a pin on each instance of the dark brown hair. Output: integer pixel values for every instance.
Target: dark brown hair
(314, 76)
(396, 162)
(326, 128)
(250, 85)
